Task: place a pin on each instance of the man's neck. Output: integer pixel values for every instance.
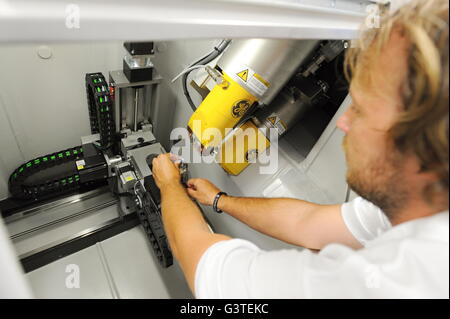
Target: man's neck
(416, 204)
(413, 210)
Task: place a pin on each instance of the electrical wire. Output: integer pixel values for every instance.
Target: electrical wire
(188, 70)
(203, 60)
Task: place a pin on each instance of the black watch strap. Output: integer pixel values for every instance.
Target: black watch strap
(216, 200)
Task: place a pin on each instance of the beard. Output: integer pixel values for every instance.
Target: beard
(380, 181)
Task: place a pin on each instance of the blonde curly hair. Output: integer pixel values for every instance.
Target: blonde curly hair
(423, 126)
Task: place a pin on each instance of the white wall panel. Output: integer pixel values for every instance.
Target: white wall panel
(43, 106)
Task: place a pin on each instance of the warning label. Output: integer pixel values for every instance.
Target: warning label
(80, 164)
(257, 85)
(128, 176)
(252, 80)
(274, 121)
(243, 75)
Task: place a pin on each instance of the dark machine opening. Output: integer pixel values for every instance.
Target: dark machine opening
(305, 133)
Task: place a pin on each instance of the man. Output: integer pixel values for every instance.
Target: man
(396, 147)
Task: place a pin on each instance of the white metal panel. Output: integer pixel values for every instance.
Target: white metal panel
(123, 266)
(326, 162)
(43, 103)
(12, 281)
(3, 181)
(328, 169)
(61, 231)
(50, 281)
(10, 153)
(136, 272)
(28, 20)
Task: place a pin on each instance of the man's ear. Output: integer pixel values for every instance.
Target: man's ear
(436, 194)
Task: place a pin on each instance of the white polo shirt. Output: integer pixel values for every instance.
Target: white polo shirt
(410, 260)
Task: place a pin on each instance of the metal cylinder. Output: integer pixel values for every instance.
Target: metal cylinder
(253, 71)
(273, 60)
(136, 109)
(291, 104)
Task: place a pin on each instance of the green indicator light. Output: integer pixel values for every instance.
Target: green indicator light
(60, 155)
(67, 153)
(95, 80)
(81, 150)
(45, 159)
(28, 164)
(37, 161)
(52, 157)
(75, 152)
(21, 169)
(101, 99)
(70, 181)
(14, 175)
(63, 181)
(98, 89)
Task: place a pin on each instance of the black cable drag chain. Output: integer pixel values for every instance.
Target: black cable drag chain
(70, 180)
(100, 105)
(151, 221)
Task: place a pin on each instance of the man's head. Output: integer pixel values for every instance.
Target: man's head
(397, 127)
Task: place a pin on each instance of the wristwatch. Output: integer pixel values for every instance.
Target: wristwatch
(216, 200)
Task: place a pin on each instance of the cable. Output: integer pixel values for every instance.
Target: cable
(199, 59)
(203, 60)
(217, 48)
(188, 70)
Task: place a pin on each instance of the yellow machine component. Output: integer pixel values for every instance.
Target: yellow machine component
(241, 149)
(220, 110)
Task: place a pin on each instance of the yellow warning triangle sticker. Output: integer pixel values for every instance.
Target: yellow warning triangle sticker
(272, 119)
(243, 75)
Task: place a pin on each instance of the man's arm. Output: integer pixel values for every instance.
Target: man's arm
(291, 220)
(188, 233)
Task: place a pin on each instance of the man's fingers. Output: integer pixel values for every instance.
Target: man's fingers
(161, 158)
(164, 157)
(175, 157)
(191, 192)
(192, 181)
(191, 186)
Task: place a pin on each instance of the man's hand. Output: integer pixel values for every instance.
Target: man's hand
(165, 171)
(187, 231)
(202, 190)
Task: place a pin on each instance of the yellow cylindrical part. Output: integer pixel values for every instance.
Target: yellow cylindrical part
(220, 110)
(241, 149)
